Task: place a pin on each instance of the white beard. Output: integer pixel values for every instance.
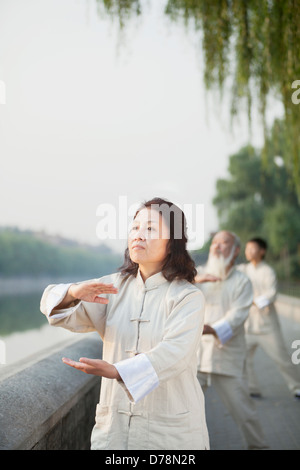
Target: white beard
(217, 265)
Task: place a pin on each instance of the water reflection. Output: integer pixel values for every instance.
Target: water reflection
(20, 312)
(24, 330)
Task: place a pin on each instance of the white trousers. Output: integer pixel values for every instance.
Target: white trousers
(273, 345)
(234, 393)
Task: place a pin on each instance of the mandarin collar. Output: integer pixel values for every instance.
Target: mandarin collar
(255, 267)
(258, 265)
(152, 282)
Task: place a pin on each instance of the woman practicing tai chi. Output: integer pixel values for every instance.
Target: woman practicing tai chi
(150, 318)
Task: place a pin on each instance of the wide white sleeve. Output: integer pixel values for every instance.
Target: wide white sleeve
(138, 376)
(52, 297)
(79, 317)
(223, 329)
(261, 301)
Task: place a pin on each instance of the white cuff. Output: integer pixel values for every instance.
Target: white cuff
(261, 301)
(55, 296)
(138, 375)
(223, 330)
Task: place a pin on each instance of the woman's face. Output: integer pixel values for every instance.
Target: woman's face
(148, 238)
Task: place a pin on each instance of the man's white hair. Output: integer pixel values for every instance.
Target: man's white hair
(237, 241)
(217, 265)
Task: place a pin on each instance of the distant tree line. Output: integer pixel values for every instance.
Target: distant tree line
(25, 253)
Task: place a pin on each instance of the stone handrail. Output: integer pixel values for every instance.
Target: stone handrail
(49, 405)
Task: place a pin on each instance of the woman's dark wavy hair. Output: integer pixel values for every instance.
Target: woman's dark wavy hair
(178, 263)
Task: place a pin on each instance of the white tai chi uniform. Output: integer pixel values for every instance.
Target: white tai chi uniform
(263, 327)
(221, 360)
(150, 332)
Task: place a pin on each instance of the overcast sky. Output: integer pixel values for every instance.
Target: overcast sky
(91, 116)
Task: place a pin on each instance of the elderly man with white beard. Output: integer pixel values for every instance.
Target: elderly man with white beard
(229, 295)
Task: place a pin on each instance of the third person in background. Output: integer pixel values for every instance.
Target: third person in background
(222, 354)
(262, 326)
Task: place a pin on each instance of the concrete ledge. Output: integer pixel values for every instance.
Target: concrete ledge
(49, 405)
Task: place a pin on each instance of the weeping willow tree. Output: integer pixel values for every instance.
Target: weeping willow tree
(252, 44)
(256, 44)
(121, 9)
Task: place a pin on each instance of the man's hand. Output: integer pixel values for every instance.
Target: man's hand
(206, 278)
(208, 330)
(94, 367)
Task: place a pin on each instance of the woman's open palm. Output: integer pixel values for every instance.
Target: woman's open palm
(90, 292)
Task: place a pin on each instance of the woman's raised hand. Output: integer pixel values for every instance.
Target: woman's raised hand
(90, 291)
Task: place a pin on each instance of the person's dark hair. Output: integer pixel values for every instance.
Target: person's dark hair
(260, 242)
(178, 263)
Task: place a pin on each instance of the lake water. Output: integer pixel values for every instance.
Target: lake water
(24, 330)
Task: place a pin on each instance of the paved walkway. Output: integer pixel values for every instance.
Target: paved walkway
(278, 410)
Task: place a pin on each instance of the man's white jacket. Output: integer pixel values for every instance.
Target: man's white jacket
(226, 310)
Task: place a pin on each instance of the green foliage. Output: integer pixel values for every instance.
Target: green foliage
(259, 200)
(27, 254)
(122, 9)
(282, 223)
